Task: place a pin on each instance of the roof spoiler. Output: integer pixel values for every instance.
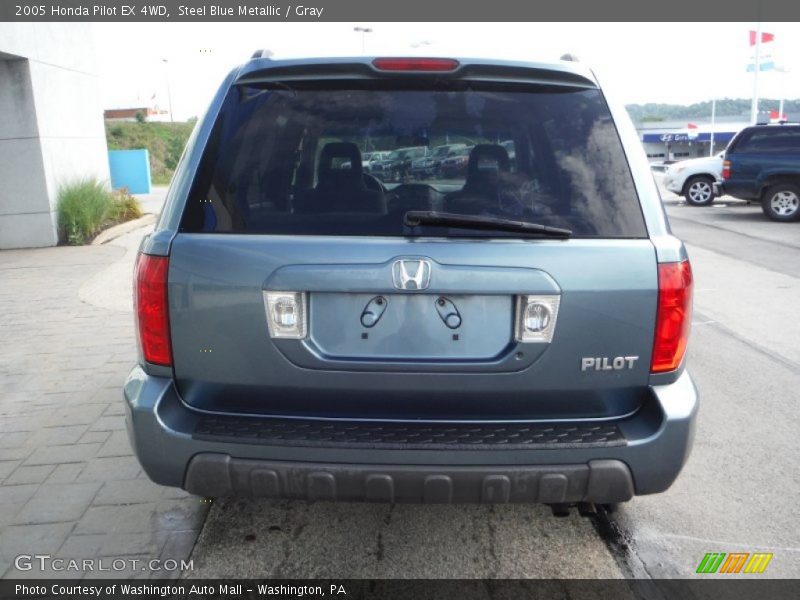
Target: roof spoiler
(362, 69)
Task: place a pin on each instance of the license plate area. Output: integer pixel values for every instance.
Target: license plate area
(410, 327)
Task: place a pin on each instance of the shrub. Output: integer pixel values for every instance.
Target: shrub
(83, 207)
(124, 207)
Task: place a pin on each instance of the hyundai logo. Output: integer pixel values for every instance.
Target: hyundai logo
(411, 274)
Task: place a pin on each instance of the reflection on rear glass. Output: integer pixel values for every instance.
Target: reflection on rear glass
(353, 162)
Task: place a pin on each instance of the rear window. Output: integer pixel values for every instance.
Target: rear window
(769, 140)
(350, 160)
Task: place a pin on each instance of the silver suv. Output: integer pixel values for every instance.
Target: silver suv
(515, 332)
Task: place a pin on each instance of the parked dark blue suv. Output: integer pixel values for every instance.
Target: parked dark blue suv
(515, 333)
(762, 164)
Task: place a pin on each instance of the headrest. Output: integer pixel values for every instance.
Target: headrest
(345, 150)
(488, 157)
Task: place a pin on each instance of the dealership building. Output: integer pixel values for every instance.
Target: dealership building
(51, 125)
(675, 140)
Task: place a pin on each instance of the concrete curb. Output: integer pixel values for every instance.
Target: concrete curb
(116, 231)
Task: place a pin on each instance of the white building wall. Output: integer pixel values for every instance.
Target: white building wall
(51, 125)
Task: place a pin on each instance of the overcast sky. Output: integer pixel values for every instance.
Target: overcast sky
(677, 63)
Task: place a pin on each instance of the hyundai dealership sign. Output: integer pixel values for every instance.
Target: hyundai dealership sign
(670, 138)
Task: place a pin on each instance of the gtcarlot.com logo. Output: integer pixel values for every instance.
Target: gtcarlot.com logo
(44, 562)
(734, 562)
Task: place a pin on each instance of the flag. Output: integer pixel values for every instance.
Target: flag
(765, 37)
(766, 60)
(692, 129)
(762, 66)
(774, 117)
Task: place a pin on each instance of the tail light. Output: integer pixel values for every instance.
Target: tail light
(429, 65)
(673, 317)
(726, 169)
(151, 309)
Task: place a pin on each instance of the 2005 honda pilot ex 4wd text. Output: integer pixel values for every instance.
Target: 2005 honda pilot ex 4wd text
(509, 331)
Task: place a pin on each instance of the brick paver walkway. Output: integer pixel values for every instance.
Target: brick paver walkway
(69, 485)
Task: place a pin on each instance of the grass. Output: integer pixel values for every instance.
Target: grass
(85, 208)
(164, 142)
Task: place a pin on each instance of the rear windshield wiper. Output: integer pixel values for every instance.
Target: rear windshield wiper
(414, 218)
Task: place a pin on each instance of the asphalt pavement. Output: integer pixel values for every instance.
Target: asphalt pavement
(736, 494)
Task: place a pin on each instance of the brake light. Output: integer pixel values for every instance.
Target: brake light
(673, 317)
(151, 310)
(430, 65)
(726, 169)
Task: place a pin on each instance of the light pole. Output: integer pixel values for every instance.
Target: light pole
(754, 103)
(363, 31)
(782, 71)
(169, 93)
(713, 124)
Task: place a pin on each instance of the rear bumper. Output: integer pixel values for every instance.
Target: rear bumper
(603, 481)
(745, 191)
(656, 444)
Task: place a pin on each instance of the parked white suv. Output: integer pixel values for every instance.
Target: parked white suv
(694, 178)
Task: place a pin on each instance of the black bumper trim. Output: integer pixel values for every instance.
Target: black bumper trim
(220, 475)
(408, 436)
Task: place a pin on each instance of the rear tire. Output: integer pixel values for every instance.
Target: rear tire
(781, 202)
(699, 191)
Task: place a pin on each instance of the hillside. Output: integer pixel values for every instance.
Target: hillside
(164, 141)
(726, 107)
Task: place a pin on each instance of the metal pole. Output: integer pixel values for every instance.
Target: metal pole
(713, 115)
(754, 105)
(363, 31)
(783, 93)
(169, 93)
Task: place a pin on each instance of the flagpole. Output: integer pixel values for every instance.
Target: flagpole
(754, 105)
(783, 93)
(713, 115)
(169, 93)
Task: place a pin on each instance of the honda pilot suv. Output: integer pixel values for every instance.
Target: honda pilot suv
(307, 330)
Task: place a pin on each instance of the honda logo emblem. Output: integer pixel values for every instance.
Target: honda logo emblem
(411, 274)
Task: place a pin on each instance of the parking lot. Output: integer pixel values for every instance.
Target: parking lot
(62, 435)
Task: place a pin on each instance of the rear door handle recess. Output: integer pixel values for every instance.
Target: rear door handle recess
(448, 312)
(373, 311)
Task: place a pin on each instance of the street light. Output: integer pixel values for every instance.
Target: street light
(363, 31)
(169, 93)
(782, 70)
